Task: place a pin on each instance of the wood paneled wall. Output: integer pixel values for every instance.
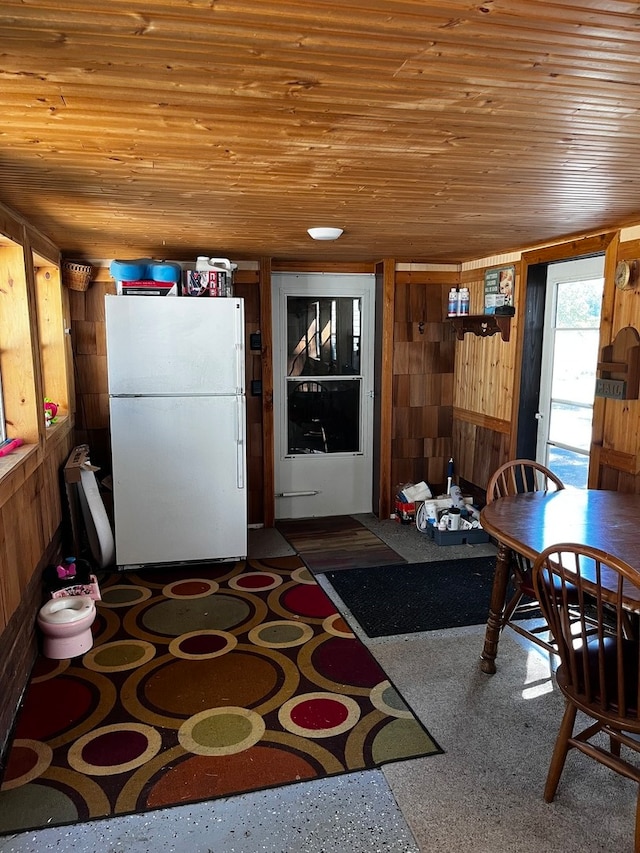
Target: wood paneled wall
(483, 398)
(90, 366)
(423, 379)
(616, 436)
(32, 505)
(30, 538)
(485, 367)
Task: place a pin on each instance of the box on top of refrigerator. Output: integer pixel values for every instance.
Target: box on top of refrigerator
(146, 287)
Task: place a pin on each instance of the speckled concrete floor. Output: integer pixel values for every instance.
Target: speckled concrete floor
(482, 796)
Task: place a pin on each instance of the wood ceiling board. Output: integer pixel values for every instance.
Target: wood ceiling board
(428, 131)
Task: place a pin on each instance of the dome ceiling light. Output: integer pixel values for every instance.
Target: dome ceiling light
(324, 233)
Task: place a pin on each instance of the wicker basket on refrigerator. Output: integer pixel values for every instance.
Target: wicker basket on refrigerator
(76, 276)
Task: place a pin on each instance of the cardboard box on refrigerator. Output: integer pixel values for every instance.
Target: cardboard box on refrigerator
(147, 287)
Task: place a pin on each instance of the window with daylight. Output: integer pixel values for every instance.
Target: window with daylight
(33, 348)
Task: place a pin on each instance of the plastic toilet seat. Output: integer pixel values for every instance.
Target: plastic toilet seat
(63, 611)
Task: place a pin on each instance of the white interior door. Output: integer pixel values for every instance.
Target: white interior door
(323, 393)
(569, 360)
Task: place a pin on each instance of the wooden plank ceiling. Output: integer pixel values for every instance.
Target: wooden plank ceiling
(430, 130)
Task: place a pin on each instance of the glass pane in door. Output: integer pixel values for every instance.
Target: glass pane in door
(324, 387)
(571, 420)
(571, 467)
(574, 364)
(323, 417)
(323, 335)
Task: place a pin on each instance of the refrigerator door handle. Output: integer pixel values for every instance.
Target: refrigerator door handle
(240, 442)
(239, 352)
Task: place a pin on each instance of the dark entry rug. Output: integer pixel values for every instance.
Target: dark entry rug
(417, 596)
(203, 682)
(336, 542)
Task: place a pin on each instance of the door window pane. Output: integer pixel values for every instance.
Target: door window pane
(571, 425)
(578, 304)
(571, 467)
(323, 416)
(575, 358)
(323, 336)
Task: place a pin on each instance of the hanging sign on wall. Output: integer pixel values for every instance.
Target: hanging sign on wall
(499, 285)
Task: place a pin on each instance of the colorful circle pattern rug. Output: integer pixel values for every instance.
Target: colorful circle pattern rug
(203, 681)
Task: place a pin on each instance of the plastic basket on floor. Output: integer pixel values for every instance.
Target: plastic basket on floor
(76, 276)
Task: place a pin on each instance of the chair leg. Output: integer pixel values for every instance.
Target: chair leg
(560, 751)
(511, 607)
(614, 746)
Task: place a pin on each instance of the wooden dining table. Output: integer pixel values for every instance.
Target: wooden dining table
(530, 522)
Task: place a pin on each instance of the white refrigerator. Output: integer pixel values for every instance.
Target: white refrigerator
(177, 409)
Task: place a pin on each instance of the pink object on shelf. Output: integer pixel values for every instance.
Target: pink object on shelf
(15, 443)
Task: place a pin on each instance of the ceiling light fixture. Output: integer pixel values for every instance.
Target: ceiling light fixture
(324, 233)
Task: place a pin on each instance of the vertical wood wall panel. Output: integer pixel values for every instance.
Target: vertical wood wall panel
(484, 389)
(30, 535)
(423, 360)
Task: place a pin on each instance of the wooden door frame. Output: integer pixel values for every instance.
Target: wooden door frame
(268, 461)
(385, 273)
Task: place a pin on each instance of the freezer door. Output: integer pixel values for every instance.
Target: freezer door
(179, 478)
(168, 345)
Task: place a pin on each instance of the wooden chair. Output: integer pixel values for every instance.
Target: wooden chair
(512, 478)
(599, 672)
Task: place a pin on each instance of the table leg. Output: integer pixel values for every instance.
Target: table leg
(496, 609)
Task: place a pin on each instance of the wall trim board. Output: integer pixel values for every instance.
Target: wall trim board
(572, 249)
(480, 420)
(628, 463)
(428, 277)
(321, 266)
(629, 251)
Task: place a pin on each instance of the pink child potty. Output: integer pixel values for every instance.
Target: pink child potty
(66, 626)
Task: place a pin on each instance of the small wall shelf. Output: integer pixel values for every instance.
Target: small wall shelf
(483, 325)
(619, 369)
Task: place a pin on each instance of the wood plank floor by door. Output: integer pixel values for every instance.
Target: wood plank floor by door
(336, 542)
